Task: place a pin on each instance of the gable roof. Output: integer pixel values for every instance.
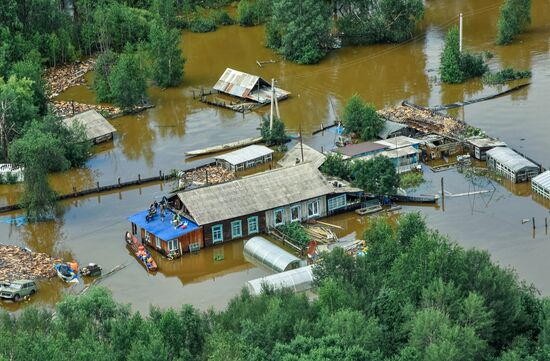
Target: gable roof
(245, 154)
(95, 124)
(398, 142)
(255, 193)
(237, 83)
(310, 155)
(510, 159)
(543, 180)
(390, 128)
(352, 150)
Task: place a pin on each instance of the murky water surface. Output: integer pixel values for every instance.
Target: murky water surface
(90, 230)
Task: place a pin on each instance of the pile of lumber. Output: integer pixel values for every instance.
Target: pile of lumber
(19, 263)
(216, 174)
(65, 109)
(60, 78)
(425, 121)
(320, 234)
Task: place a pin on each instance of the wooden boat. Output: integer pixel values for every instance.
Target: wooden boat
(66, 273)
(369, 210)
(143, 255)
(227, 146)
(415, 199)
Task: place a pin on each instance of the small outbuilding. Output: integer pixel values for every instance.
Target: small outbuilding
(97, 128)
(541, 184)
(248, 87)
(480, 145)
(259, 249)
(511, 165)
(297, 280)
(310, 155)
(360, 150)
(393, 129)
(244, 158)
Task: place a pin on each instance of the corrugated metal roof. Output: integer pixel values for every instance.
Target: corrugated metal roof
(236, 83)
(310, 155)
(510, 159)
(398, 142)
(484, 142)
(390, 128)
(352, 150)
(245, 154)
(543, 180)
(95, 124)
(255, 193)
(268, 254)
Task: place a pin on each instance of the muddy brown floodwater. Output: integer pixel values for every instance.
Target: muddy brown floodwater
(91, 229)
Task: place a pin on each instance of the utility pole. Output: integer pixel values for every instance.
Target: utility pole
(460, 34)
(272, 99)
(301, 143)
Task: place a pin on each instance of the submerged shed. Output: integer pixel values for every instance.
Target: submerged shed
(97, 128)
(247, 86)
(480, 146)
(511, 165)
(244, 158)
(392, 129)
(294, 156)
(541, 184)
(266, 253)
(298, 280)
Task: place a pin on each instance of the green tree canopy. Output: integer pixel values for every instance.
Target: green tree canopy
(128, 82)
(515, 17)
(275, 135)
(456, 67)
(361, 118)
(166, 55)
(376, 175)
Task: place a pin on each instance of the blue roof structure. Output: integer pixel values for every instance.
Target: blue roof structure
(163, 230)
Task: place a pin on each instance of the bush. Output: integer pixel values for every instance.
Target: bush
(221, 17)
(505, 75)
(411, 180)
(202, 24)
(456, 67)
(515, 17)
(8, 178)
(275, 136)
(335, 166)
(295, 232)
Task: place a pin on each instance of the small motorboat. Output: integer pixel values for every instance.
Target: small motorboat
(66, 273)
(92, 270)
(140, 252)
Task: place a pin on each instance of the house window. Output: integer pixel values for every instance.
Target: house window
(173, 245)
(295, 213)
(147, 237)
(158, 243)
(217, 233)
(253, 225)
(313, 209)
(337, 202)
(278, 216)
(236, 229)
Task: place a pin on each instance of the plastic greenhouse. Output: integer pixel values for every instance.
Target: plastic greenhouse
(267, 254)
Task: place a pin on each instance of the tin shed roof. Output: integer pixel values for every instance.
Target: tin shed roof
(294, 156)
(510, 159)
(352, 150)
(255, 193)
(390, 128)
(236, 83)
(95, 124)
(543, 180)
(245, 154)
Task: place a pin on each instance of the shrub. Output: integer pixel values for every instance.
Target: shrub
(411, 180)
(296, 232)
(202, 24)
(505, 75)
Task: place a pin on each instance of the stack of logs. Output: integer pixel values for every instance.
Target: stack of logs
(215, 174)
(19, 263)
(320, 234)
(424, 121)
(68, 109)
(60, 78)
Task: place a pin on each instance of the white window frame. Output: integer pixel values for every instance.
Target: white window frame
(316, 210)
(157, 242)
(215, 229)
(282, 211)
(173, 245)
(233, 224)
(299, 208)
(255, 223)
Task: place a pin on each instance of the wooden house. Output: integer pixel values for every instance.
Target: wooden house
(511, 165)
(480, 145)
(97, 128)
(244, 158)
(248, 87)
(360, 150)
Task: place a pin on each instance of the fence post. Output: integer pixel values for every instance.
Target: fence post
(97, 185)
(139, 178)
(160, 174)
(206, 172)
(119, 181)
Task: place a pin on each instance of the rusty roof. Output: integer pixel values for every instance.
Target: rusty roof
(237, 83)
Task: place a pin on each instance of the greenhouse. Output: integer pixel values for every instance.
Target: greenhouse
(267, 254)
(298, 280)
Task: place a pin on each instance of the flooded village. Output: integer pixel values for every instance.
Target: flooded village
(169, 224)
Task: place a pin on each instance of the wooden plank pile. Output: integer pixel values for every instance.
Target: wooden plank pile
(19, 263)
(65, 108)
(60, 78)
(320, 234)
(424, 121)
(216, 174)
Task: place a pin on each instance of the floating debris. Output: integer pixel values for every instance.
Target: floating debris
(60, 78)
(20, 263)
(67, 108)
(211, 174)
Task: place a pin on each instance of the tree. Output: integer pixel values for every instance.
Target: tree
(456, 67)
(103, 68)
(515, 17)
(167, 58)
(31, 68)
(376, 176)
(380, 21)
(336, 166)
(361, 118)
(16, 109)
(299, 30)
(127, 80)
(276, 135)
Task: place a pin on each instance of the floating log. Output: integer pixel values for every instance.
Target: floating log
(222, 147)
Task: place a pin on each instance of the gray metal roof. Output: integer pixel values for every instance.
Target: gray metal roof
(390, 128)
(294, 156)
(484, 142)
(543, 180)
(95, 124)
(245, 154)
(510, 159)
(255, 193)
(236, 83)
(269, 255)
(298, 280)
(352, 150)
(398, 142)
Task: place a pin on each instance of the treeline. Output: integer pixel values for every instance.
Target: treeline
(415, 296)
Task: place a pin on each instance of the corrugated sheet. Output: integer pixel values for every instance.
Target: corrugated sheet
(482, 142)
(310, 156)
(543, 180)
(236, 83)
(255, 193)
(510, 159)
(96, 125)
(245, 154)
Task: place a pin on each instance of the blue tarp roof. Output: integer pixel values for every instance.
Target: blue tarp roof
(163, 230)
